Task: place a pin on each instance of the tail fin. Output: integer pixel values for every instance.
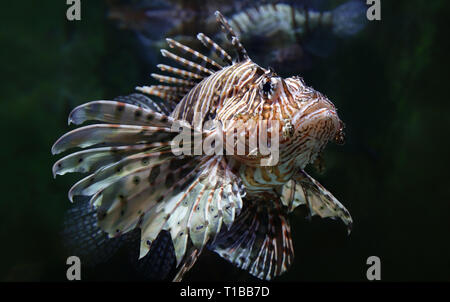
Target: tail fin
(259, 241)
(349, 18)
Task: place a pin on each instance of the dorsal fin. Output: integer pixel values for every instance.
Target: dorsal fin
(177, 88)
(172, 80)
(169, 93)
(187, 63)
(180, 72)
(195, 54)
(232, 37)
(219, 51)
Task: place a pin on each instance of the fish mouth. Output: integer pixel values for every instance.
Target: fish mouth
(339, 139)
(322, 125)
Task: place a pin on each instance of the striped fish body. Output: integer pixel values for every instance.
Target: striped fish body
(236, 94)
(231, 204)
(214, 92)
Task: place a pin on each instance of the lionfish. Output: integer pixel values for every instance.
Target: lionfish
(229, 204)
(292, 32)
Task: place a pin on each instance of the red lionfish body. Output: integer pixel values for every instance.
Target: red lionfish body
(230, 204)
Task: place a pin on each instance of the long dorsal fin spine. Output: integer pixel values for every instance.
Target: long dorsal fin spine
(173, 89)
(182, 61)
(180, 72)
(197, 71)
(172, 80)
(195, 54)
(232, 37)
(169, 95)
(219, 51)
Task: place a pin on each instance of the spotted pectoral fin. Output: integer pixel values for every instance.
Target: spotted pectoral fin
(118, 113)
(196, 214)
(93, 159)
(259, 241)
(303, 189)
(190, 197)
(111, 135)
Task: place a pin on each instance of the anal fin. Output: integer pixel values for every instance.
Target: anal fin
(259, 240)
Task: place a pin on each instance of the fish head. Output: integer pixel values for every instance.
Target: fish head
(307, 120)
(315, 120)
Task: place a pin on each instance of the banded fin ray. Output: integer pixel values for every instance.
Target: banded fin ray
(182, 196)
(215, 48)
(110, 174)
(163, 92)
(173, 80)
(259, 241)
(195, 54)
(197, 72)
(111, 135)
(232, 37)
(117, 113)
(194, 208)
(90, 160)
(188, 262)
(124, 203)
(143, 101)
(186, 63)
(179, 72)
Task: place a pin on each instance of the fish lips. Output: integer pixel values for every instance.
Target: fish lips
(321, 125)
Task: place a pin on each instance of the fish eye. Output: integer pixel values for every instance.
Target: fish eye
(267, 86)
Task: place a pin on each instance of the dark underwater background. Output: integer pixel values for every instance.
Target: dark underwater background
(390, 83)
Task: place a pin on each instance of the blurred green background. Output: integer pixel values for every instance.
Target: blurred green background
(390, 84)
